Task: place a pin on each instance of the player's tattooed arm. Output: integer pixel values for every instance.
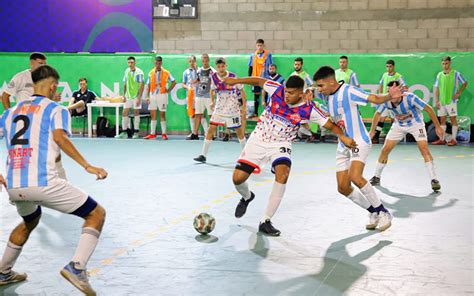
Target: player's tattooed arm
(348, 142)
(256, 81)
(63, 141)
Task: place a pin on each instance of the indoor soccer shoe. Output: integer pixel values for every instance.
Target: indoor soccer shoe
(200, 158)
(452, 142)
(439, 142)
(435, 185)
(11, 277)
(267, 228)
(373, 221)
(78, 278)
(136, 136)
(122, 135)
(164, 137)
(150, 137)
(242, 206)
(192, 137)
(385, 220)
(375, 181)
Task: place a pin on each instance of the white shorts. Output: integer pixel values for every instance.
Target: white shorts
(398, 132)
(202, 104)
(231, 121)
(60, 195)
(449, 110)
(344, 156)
(257, 153)
(158, 101)
(132, 104)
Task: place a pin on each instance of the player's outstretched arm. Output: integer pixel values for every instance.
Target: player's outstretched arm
(434, 118)
(374, 123)
(393, 92)
(348, 142)
(256, 81)
(61, 138)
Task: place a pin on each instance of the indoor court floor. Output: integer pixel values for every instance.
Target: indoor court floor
(154, 189)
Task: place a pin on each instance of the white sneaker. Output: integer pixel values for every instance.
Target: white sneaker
(385, 221)
(373, 221)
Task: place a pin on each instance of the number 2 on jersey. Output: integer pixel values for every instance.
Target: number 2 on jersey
(26, 124)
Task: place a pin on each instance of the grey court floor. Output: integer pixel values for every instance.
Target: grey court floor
(154, 189)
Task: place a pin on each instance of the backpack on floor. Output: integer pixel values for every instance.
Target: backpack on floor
(103, 128)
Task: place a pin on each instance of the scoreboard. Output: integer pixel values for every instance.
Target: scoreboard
(175, 9)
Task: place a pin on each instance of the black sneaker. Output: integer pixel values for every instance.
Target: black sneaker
(226, 138)
(242, 206)
(200, 158)
(267, 228)
(435, 185)
(375, 181)
(192, 137)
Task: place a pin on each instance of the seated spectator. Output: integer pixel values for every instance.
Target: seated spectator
(80, 99)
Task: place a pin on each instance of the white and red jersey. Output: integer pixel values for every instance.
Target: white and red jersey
(227, 101)
(280, 121)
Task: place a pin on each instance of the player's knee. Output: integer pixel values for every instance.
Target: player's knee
(282, 175)
(99, 214)
(358, 180)
(344, 189)
(237, 178)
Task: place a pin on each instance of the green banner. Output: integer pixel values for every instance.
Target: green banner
(105, 72)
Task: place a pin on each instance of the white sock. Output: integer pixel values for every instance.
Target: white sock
(379, 168)
(369, 192)
(274, 201)
(204, 124)
(85, 248)
(153, 127)
(359, 199)
(61, 170)
(125, 122)
(12, 252)
(205, 147)
(455, 131)
(136, 122)
(163, 127)
(443, 127)
(431, 169)
(244, 190)
(242, 143)
(192, 124)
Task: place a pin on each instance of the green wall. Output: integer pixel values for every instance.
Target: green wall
(105, 72)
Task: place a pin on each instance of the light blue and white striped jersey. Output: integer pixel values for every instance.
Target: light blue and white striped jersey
(28, 129)
(343, 107)
(408, 112)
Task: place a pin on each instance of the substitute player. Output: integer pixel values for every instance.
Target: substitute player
(271, 141)
(227, 107)
(448, 87)
(133, 85)
(408, 120)
(343, 103)
(157, 96)
(36, 130)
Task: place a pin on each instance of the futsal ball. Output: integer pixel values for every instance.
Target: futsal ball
(204, 223)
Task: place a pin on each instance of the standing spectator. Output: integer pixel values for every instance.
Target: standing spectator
(345, 74)
(80, 99)
(298, 66)
(202, 101)
(157, 96)
(133, 86)
(390, 75)
(448, 87)
(189, 83)
(21, 85)
(259, 64)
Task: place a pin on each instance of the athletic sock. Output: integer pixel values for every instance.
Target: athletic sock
(244, 190)
(359, 199)
(274, 201)
(12, 252)
(205, 147)
(153, 127)
(369, 192)
(379, 168)
(443, 127)
(431, 169)
(163, 127)
(242, 143)
(85, 248)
